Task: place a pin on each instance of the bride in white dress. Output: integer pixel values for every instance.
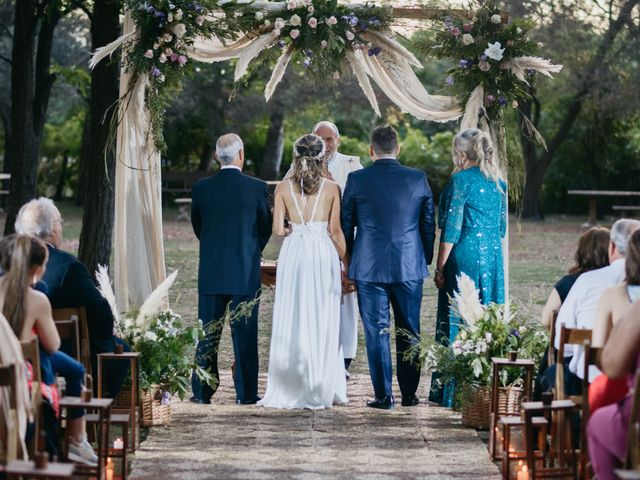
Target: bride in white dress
(306, 367)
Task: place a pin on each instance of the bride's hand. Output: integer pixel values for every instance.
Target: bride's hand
(438, 279)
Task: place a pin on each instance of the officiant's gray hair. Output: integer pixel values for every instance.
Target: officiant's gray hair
(621, 232)
(228, 148)
(36, 218)
(329, 125)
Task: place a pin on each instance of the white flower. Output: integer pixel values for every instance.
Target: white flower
(170, 18)
(310, 9)
(295, 20)
(481, 347)
(276, 32)
(152, 337)
(223, 2)
(523, 329)
(178, 15)
(350, 36)
(457, 347)
(313, 22)
(292, 5)
(148, 54)
(162, 58)
(156, 45)
(180, 29)
(279, 24)
(515, 104)
(267, 23)
(484, 66)
(259, 16)
(336, 75)
(167, 37)
(199, 20)
(323, 44)
(518, 30)
(540, 44)
(488, 337)
(496, 18)
(244, 1)
(494, 51)
(477, 367)
(468, 39)
(295, 33)
(332, 20)
(463, 335)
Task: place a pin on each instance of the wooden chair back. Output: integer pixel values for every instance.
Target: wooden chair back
(10, 430)
(31, 354)
(568, 336)
(551, 354)
(592, 356)
(69, 331)
(80, 314)
(632, 461)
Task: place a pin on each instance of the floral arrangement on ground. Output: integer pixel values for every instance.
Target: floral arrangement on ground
(485, 332)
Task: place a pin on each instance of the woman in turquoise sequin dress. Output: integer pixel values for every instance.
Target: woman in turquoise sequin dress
(472, 218)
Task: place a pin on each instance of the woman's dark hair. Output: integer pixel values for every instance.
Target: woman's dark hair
(592, 251)
(308, 163)
(18, 255)
(632, 259)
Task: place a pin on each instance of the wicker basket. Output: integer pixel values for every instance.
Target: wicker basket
(154, 412)
(476, 407)
(123, 399)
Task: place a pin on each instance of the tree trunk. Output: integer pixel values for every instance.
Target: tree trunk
(205, 156)
(537, 166)
(83, 180)
(272, 158)
(6, 164)
(97, 220)
(62, 177)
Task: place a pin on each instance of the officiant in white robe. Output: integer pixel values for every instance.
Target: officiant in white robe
(340, 166)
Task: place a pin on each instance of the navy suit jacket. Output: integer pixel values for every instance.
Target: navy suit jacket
(70, 285)
(391, 206)
(231, 217)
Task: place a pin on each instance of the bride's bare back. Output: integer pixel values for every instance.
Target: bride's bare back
(327, 210)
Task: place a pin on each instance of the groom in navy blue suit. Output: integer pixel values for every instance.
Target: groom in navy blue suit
(231, 217)
(391, 207)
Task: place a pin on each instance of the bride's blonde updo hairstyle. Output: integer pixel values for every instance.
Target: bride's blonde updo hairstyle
(478, 148)
(308, 163)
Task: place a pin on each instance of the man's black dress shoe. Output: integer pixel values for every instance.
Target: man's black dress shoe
(248, 402)
(200, 401)
(384, 403)
(410, 401)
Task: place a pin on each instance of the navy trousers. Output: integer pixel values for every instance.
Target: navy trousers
(374, 300)
(244, 334)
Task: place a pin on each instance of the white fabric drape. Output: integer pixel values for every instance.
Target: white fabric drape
(139, 250)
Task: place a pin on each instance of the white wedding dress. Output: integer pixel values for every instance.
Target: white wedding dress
(306, 368)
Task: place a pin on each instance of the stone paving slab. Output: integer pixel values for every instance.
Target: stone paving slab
(228, 441)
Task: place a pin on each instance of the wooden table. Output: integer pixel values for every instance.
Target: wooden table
(593, 197)
(22, 469)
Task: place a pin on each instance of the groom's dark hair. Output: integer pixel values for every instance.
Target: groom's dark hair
(384, 140)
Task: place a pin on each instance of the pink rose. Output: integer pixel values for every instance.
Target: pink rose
(163, 58)
(182, 60)
(174, 57)
(200, 20)
(332, 20)
(295, 33)
(455, 31)
(350, 36)
(313, 22)
(168, 51)
(148, 54)
(467, 27)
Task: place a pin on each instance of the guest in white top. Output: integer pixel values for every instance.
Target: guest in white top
(579, 308)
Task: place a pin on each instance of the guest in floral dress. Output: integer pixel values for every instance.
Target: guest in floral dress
(472, 219)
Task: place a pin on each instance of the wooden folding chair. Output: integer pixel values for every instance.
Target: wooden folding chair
(31, 354)
(80, 314)
(8, 376)
(69, 331)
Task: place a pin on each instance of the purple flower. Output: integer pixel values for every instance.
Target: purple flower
(515, 332)
(375, 51)
(483, 58)
(502, 101)
(306, 62)
(363, 24)
(447, 21)
(281, 44)
(159, 14)
(166, 398)
(308, 53)
(449, 80)
(155, 72)
(150, 9)
(464, 63)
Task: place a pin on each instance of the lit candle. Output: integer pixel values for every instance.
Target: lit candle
(109, 469)
(524, 473)
(118, 444)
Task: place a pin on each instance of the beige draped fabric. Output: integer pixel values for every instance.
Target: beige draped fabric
(139, 250)
(11, 354)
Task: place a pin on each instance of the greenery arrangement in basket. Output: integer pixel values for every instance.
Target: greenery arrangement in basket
(166, 345)
(486, 331)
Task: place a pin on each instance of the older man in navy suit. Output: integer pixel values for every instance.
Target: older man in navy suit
(231, 217)
(391, 206)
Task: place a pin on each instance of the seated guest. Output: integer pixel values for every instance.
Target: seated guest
(23, 259)
(70, 285)
(579, 308)
(614, 303)
(608, 426)
(592, 253)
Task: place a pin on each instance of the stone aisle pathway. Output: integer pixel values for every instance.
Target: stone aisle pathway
(226, 441)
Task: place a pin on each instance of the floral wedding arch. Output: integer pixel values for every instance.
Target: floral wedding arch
(162, 39)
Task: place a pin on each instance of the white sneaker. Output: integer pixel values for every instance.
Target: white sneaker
(82, 452)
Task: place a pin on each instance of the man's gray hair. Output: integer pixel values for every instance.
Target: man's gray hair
(621, 232)
(228, 148)
(36, 218)
(327, 124)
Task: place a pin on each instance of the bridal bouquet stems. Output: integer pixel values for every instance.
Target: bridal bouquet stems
(485, 332)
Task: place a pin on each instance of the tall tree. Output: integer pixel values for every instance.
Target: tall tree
(590, 79)
(97, 219)
(31, 81)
